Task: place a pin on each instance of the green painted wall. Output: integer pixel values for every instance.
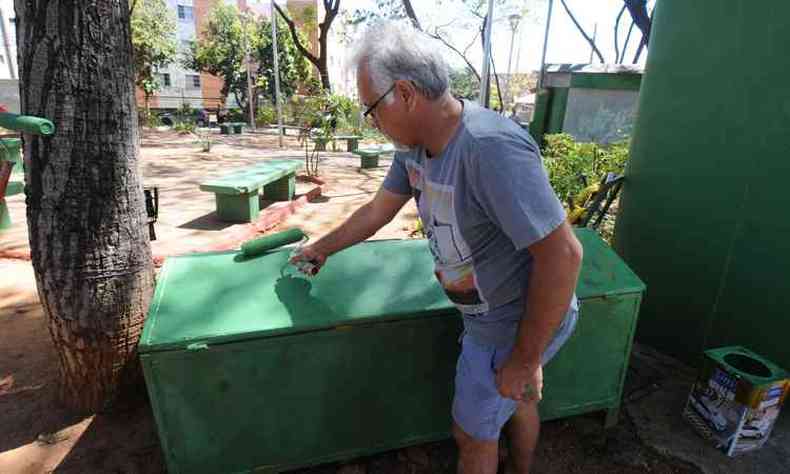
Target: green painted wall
(703, 216)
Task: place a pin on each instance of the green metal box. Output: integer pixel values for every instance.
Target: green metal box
(249, 367)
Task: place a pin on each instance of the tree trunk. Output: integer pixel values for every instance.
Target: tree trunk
(85, 206)
(323, 68)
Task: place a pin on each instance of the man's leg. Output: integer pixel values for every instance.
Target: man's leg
(523, 430)
(475, 456)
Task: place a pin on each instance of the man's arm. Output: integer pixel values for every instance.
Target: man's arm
(363, 223)
(556, 261)
(555, 269)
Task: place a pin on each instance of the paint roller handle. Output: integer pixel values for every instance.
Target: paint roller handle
(308, 260)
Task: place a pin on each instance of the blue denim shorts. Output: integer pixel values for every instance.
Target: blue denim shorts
(478, 408)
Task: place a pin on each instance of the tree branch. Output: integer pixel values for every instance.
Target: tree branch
(498, 87)
(625, 45)
(453, 48)
(617, 33)
(638, 10)
(639, 51)
(581, 30)
(295, 36)
(471, 43)
(410, 13)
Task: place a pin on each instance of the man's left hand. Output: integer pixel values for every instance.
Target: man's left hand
(519, 381)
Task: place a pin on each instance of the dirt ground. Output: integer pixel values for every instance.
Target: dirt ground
(37, 435)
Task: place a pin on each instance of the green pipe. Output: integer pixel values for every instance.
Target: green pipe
(26, 123)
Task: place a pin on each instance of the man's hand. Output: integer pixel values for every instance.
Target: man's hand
(520, 381)
(310, 255)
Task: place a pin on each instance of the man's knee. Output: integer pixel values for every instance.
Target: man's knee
(466, 443)
(526, 410)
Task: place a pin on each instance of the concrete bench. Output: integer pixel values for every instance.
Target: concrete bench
(237, 193)
(7, 188)
(286, 128)
(352, 142)
(231, 127)
(14, 187)
(369, 156)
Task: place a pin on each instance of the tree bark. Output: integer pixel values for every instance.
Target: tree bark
(85, 207)
(411, 14)
(617, 34)
(638, 11)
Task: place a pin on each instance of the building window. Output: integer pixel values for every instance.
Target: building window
(185, 13)
(193, 81)
(164, 80)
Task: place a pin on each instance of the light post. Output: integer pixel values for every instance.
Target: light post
(250, 98)
(514, 20)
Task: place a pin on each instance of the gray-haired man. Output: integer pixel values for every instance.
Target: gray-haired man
(503, 251)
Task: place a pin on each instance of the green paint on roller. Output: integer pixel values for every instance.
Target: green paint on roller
(26, 123)
(255, 247)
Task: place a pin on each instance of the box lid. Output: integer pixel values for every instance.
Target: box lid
(222, 297)
(603, 271)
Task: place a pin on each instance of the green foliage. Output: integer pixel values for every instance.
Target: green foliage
(266, 115)
(149, 119)
(567, 161)
(308, 17)
(154, 42)
(294, 68)
(220, 52)
(322, 116)
(236, 115)
(185, 128)
(463, 83)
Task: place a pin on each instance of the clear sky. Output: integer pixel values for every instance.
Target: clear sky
(566, 45)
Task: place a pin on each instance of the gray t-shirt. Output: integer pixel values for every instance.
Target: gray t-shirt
(482, 202)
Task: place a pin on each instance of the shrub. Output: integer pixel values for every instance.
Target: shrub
(569, 162)
(185, 127)
(266, 115)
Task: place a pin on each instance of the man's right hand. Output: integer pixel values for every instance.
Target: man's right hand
(311, 255)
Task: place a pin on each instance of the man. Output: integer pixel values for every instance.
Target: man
(503, 251)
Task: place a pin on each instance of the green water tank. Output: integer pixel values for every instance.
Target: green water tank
(703, 215)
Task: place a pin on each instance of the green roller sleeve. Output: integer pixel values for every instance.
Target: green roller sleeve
(255, 247)
(26, 123)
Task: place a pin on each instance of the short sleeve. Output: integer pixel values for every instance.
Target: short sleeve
(397, 179)
(513, 189)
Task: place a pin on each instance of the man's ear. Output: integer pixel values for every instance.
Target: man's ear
(408, 93)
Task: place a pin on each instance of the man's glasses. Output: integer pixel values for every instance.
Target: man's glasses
(377, 102)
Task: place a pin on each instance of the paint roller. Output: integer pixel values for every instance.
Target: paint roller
(255, 247)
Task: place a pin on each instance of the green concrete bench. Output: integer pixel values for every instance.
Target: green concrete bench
(7, 188)
(352, 142)
(14, 187)
(228, 127)
(237, 193)
(369, 156)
